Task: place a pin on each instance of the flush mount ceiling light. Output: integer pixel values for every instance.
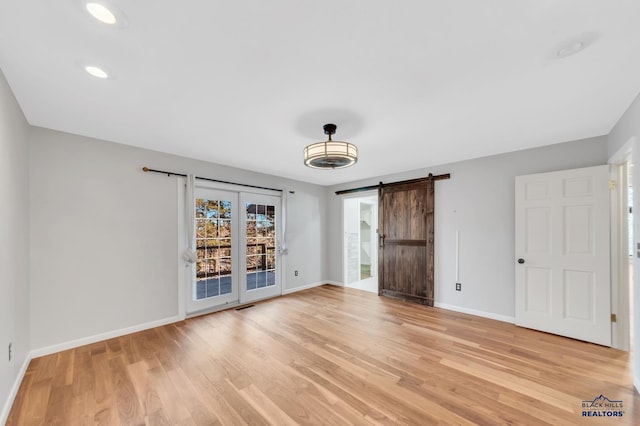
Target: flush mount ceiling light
(570, 49)
(330, 154)
(101, 13)
(574, 45)
(96, 71)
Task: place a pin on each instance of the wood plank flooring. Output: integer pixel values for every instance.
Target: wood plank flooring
(328, 355)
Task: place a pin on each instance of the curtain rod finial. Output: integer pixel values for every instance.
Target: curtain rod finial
(145, 169)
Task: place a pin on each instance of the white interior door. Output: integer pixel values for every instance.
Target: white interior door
(562, 253)
(214, 274)
(260, 233)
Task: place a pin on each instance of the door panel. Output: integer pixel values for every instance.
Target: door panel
(538, 236)
(406, 241)
(259, 251)
(538, 290)
(562, 239)
(579, 294)
(410, 278)
(216, 234)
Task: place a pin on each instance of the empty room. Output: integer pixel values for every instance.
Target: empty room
(297, 212)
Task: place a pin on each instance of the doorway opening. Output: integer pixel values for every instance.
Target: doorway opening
(360, 248)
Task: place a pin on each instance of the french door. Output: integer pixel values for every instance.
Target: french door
(214, 274)
(236, 244)
(260, 231)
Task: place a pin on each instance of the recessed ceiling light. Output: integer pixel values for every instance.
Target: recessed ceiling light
(101, 13)
(96, 71)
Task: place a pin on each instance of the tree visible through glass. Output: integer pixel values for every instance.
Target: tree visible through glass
(214, 248)
(261, 245)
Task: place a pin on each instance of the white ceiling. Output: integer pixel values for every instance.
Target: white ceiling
(250, 83)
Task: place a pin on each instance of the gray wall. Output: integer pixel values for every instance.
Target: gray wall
(102, 235)
(478, 201)
(626, 133)
(14, 242)
(104, 240)
(626, 128)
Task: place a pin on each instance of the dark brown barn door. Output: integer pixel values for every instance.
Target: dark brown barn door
(405, 232)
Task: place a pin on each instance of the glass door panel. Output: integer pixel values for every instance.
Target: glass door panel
(216, 240)
(261, 232)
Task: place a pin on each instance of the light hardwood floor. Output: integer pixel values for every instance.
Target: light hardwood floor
(328, 355)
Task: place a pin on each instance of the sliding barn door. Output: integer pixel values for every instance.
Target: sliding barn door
(405, 236)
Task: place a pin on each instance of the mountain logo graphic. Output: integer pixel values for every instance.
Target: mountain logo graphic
(600, 401)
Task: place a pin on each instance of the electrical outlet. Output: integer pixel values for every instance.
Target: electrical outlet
(458, 287)
(296, 273)
(10, 344)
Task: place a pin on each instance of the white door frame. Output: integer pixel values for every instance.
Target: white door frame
(620, 330)
(185, 268)
(363, 194)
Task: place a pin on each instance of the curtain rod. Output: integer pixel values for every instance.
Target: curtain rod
(381, 185)
(146, 170)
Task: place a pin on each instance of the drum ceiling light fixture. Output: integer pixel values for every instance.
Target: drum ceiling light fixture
(330, 154)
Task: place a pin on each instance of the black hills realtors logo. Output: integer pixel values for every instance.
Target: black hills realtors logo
(601, 406)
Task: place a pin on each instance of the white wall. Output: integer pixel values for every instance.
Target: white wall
(104, 239)
(626, 134)
(14, 244)
(478, 201)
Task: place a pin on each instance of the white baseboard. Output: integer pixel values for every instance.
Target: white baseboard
(636, 382)
(490, 315)
(14, 390)
(303, 287)
(99, 337)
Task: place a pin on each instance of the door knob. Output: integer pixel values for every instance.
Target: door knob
(521, 261)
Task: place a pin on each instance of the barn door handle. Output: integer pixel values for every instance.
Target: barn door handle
(381, 238)
(521, 261)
